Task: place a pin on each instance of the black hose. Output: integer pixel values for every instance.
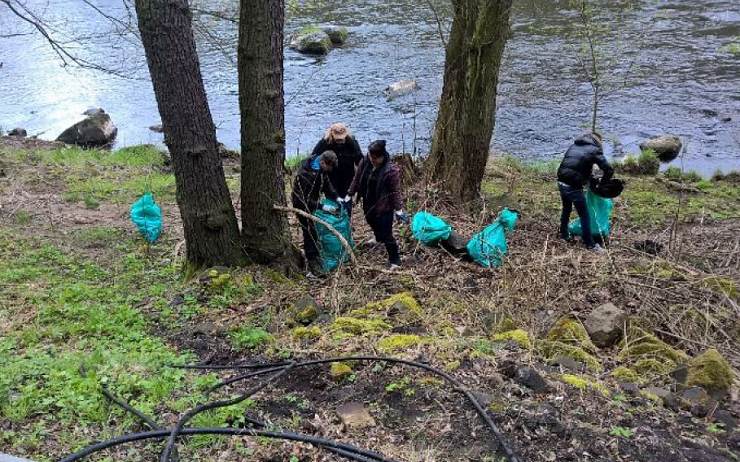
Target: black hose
(510, 455)
(213, 405)
(347, 451)
(127, 407)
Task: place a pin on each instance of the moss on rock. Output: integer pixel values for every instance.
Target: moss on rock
(357, 326)
(551, 349)
(570, 331)
(398, 342)
(711, 371)
(648, 354)
(340, 371)
(306, 333)
(582, 383)
(401, 305)
(625, 374)
(521, 337)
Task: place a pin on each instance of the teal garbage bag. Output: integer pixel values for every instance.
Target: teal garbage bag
(429, 229)
(147, 216)
(488, 247)
(331, 250)
(600, 212)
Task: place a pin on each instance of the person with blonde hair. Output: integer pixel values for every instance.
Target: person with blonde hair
(338, 139)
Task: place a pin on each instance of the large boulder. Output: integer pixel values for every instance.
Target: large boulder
(96, 130)
(19, 132)
(605, 325)
(400, 88)
(311, 40)
(338, 35)
(667, 147)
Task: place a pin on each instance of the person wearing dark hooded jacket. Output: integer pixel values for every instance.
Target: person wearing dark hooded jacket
(573, 174)
(338, 138)
(311, 181)
(377, 182)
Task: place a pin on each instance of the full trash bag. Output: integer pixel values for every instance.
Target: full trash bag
(488, 247)
(429, 229)
(331, 250)
(600, 212)
(147, 216)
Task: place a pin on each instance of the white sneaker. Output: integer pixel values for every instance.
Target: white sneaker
(597, 249)
(372, 241)
(393, 267)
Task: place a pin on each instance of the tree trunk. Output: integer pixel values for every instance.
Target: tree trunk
(262, 105)
(467, 109)
(208, 217)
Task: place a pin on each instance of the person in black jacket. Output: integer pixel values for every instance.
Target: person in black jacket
(378, 184)
(312, 180)
(339, 139)
(573, 174)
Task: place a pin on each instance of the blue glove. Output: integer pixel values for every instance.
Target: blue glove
(402, 217)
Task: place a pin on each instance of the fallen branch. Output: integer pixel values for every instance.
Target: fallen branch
(336, 233)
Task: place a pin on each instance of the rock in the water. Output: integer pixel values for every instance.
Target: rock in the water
(711, 371)
(95, 130)
(157, 128)
(312, 41)
(530, 378)
(19, 132)
(667, 147)
(338, 35)
(605, 325)
(93, 111)
(354, 415)
(400, 88)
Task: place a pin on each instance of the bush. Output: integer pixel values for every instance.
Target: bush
(676, 174)
(628, 166)
(648, 162)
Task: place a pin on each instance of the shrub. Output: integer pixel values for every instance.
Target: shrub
(648, 162)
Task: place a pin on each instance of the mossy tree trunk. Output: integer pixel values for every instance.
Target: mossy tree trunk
(467, 109)
(262, 105)
(208, 217)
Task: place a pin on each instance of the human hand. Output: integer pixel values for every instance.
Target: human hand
(402, 217)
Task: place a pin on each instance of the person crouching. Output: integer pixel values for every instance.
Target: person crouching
(377, 182)
(312, 180)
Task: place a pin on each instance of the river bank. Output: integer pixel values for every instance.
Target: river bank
(85, 303)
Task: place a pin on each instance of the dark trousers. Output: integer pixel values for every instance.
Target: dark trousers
(310, 239)
(570, 197)
(382, 226)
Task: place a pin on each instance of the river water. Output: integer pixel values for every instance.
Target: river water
(667, 60)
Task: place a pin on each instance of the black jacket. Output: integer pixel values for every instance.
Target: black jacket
(575, 169)
(308, 186)
(349, 155)
(379, 189)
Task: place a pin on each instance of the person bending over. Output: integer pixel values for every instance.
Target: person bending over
(339, 139)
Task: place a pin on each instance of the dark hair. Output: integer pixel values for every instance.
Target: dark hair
(330, 158)
(376, 148)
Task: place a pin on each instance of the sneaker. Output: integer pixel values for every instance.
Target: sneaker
(597, 249)
(371, 242)
(394, 267)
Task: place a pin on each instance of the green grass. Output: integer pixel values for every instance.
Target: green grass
(67, 326)
(118, 190)
(249, 337)
(134, 156)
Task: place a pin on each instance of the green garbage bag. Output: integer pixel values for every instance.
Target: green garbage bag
(600, 212)
(488, 247)
(331, 250)
(147, 216)
(429, 229)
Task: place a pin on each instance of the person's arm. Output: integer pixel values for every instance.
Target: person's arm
(357, 155)
(355, 185)
(319, 148)
(394, 188)
(604, 165)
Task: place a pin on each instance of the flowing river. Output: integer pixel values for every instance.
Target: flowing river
(674, 66)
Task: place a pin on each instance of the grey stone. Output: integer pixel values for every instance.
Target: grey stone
(311, 41)
(605, 325)
(400, 88)
(729, 423)
(668, 398)
(629, 388)
(456, 244)
(530, 378)
(306, 310)
(667, 147)
(680, 374)
(354, 415)
(9, 458)
(697, 401)
(568, 363)
(95, 130)
(337, 34)
(158, 128)
(19, 132)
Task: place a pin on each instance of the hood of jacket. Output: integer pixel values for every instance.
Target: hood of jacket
(587, 139)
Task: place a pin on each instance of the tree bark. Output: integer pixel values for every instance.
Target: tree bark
(467, 109)
(262, 104)
(208, 217)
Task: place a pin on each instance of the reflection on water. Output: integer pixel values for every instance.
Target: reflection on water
(678, 82)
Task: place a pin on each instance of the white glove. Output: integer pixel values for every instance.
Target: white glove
(328, 208)
(402, 217)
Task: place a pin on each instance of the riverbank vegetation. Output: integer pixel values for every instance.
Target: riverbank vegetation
(87, 306)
